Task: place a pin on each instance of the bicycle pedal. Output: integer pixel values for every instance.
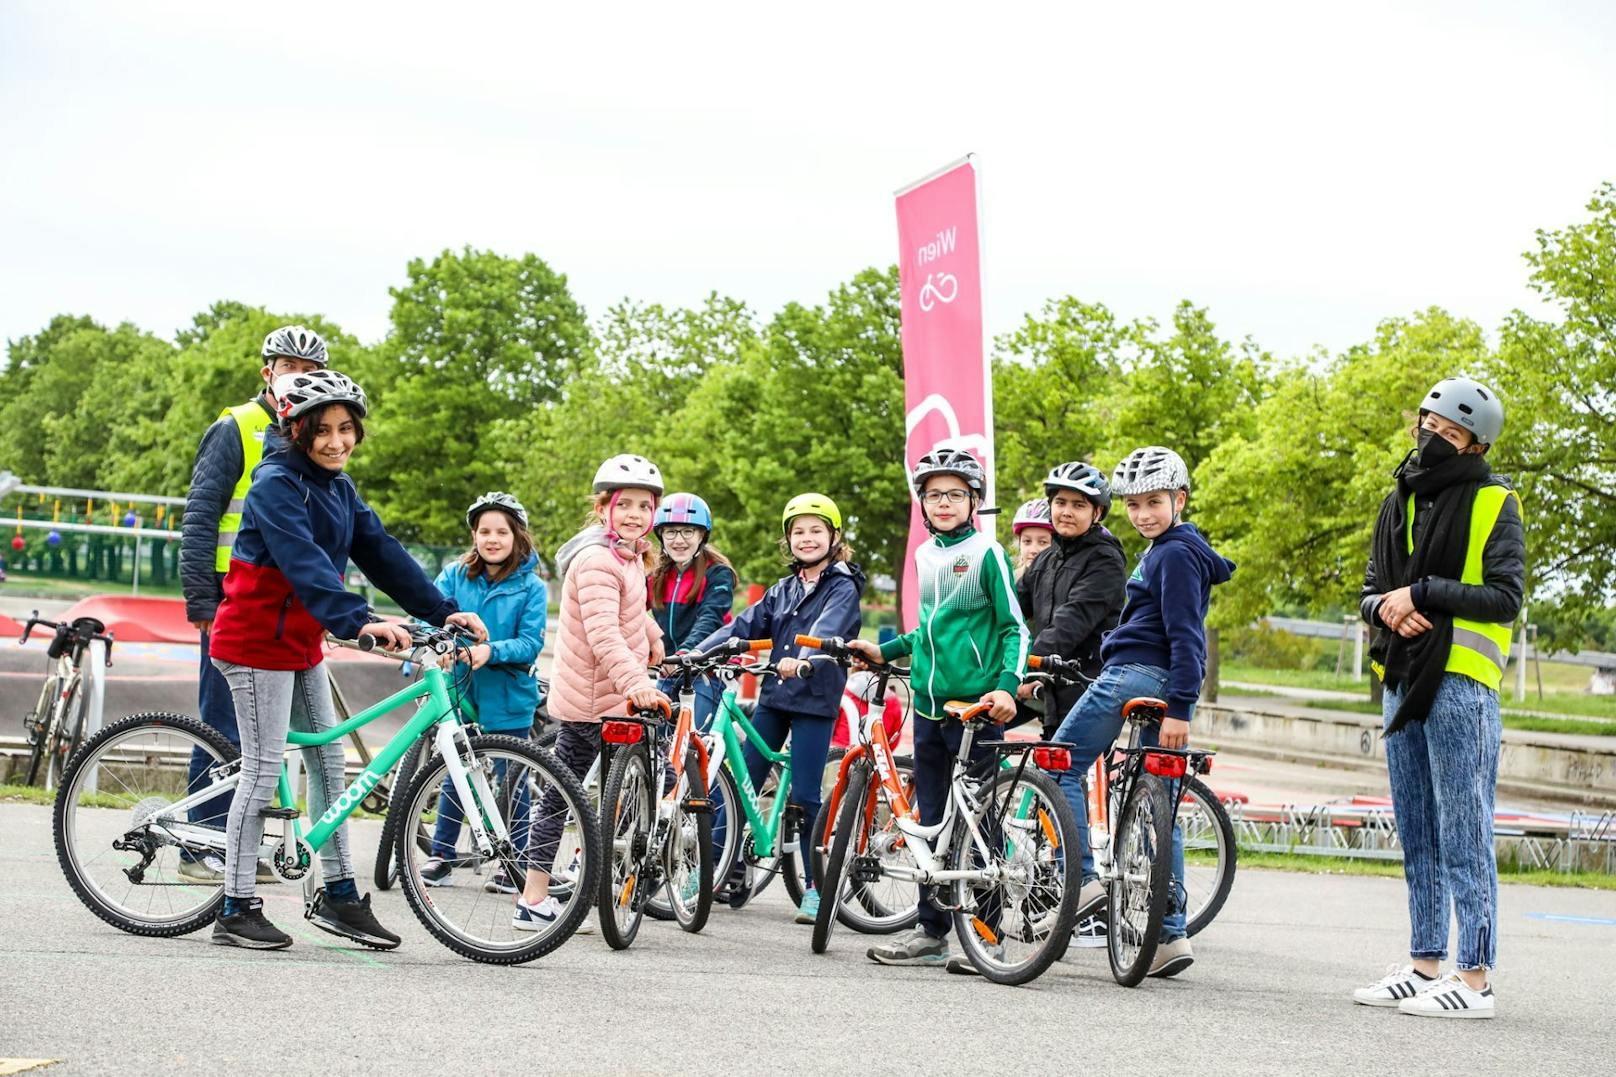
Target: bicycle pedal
(697, 806)
(279, 813)
(866, 869)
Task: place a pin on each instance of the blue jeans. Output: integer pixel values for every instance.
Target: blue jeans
(708, 692)
(810, 747)
(218, 712)
(450, 817)
(1092, 727)
(1444, 776)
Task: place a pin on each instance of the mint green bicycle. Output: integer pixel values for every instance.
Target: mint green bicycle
(122, 826)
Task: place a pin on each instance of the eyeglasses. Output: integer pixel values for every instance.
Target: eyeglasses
(953, 497)
(680, 532)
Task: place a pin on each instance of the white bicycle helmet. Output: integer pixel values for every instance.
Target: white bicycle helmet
(295, 342)
(1147, 470)
(494, 499)
(297, 393)
(627, 471)
(1032, 514)
(946, 460)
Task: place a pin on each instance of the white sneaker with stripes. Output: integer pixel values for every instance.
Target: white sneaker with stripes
(1400, 982)
(1450, 997)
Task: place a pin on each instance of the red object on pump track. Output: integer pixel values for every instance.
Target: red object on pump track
(137, 618)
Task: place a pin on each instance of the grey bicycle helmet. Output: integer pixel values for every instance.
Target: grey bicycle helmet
(295, 342)
(1085, 479)
(297, 393)
(949, 461)
(1470, 404)
(494, 499)
(1149, 469)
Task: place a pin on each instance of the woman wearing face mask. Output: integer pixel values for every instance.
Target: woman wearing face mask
(692, 588)
(1443, 586)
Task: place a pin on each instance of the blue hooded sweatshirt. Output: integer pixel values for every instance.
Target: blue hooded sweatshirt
(1164, 616)
(504, 691)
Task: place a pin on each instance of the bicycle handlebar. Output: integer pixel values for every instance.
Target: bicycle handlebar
(78, 630)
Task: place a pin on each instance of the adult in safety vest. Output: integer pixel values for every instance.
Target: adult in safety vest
(225, 459)
(1444, 584)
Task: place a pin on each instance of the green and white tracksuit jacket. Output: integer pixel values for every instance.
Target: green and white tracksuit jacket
(971, 638)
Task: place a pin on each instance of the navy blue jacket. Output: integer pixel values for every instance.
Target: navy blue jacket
(788, 610)
(1164, 617)
(286, 586)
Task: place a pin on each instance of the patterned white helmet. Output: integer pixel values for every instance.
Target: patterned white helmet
(295, 342)
(627, 471)
(1147, 470)
(1032, 514)
(494, 499)
(297, 393)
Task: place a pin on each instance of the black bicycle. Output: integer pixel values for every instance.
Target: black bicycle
(55, 727)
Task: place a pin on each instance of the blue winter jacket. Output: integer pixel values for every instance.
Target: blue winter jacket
(504, 691)
(787, 610)
(1164, 618)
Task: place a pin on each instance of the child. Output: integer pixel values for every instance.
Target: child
(498, 580)
(819, 598)
(1158, 649)
(692, 588)
(971, 643)
(603, 646)
(302, 522)
(1033, 532)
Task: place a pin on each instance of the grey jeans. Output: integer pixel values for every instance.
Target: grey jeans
(269, 702)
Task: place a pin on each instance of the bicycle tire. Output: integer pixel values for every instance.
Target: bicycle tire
(426, 906)
(65, 828)
(1041, 853)
(622, 893)
(866, 911)
(691, 919)
(40, 723)
(387, 851)
(1144, 856)
(1222, 837)
(850, 823)
(68, 733)
(726, 806)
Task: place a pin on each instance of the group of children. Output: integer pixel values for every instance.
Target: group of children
(641, 580)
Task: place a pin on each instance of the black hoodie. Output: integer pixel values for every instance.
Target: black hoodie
(1071, 596)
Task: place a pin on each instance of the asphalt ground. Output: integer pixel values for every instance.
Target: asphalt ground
(1269, 993)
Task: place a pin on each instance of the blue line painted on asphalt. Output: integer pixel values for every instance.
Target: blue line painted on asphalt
(1596, 921)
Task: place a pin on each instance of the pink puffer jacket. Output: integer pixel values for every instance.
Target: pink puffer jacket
(603, 641)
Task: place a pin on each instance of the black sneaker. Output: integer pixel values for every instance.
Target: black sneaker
(250, 930)
(352, 920)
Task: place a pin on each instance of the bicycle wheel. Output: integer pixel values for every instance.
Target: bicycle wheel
(116, 790)
(785, 859)
(729, 831)
(68, 734)
(467, 919)
(628, 818)
(887, 904)
(38, 727)
(687, 864)
(851, 821)
(1015, 926)
(1210, 854)
(1137, 897)
(386, 871)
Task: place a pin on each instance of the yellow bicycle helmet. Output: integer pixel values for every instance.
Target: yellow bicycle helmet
(811, 505)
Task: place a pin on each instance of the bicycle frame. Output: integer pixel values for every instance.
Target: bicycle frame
(727, 747)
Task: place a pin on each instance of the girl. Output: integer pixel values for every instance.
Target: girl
(1034, 531)
(1444, 583)
(602, 649)
(498, 580)
(819, 598)
(692, 587)
(302, 522)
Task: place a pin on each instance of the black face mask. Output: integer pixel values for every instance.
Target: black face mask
(1431, 449)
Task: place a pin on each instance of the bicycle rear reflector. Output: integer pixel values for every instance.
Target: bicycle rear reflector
(1052, 758)
(621, 732)
(1163, 765)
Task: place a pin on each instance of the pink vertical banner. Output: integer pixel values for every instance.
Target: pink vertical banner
(948, 388)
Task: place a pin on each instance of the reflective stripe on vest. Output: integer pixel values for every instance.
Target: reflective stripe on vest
(251, 423)
(1480, 650)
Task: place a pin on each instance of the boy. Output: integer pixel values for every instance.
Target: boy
(1158, 649)
(970, 644)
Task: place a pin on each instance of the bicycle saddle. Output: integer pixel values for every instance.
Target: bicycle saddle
(1144, 710)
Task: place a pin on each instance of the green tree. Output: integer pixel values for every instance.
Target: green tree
(24, 406)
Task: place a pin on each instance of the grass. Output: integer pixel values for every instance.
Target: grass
(1393, 869)
(1529, 722)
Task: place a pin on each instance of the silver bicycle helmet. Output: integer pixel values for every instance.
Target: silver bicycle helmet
(949, 461)
(1149, 469)
(295, 342)
(494, 499)
(1470, 404)
(297, 393)
(628, 471)
(1085, 479)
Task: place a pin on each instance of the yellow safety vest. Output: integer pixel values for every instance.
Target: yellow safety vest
(1480, 649)
(251, 423)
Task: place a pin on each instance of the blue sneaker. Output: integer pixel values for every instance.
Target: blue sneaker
(808, 911)
(538, 917)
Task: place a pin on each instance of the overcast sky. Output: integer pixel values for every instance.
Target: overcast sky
(1304, 170)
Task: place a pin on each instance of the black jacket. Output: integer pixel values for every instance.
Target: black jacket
(1496, 600)
(218, 467)
(1072, 595)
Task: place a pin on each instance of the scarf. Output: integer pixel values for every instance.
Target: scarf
(1432, 470)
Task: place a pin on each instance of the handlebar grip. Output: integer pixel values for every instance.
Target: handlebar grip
(1035, 661)
(810, 641)
(366, 643)
(755, 646)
